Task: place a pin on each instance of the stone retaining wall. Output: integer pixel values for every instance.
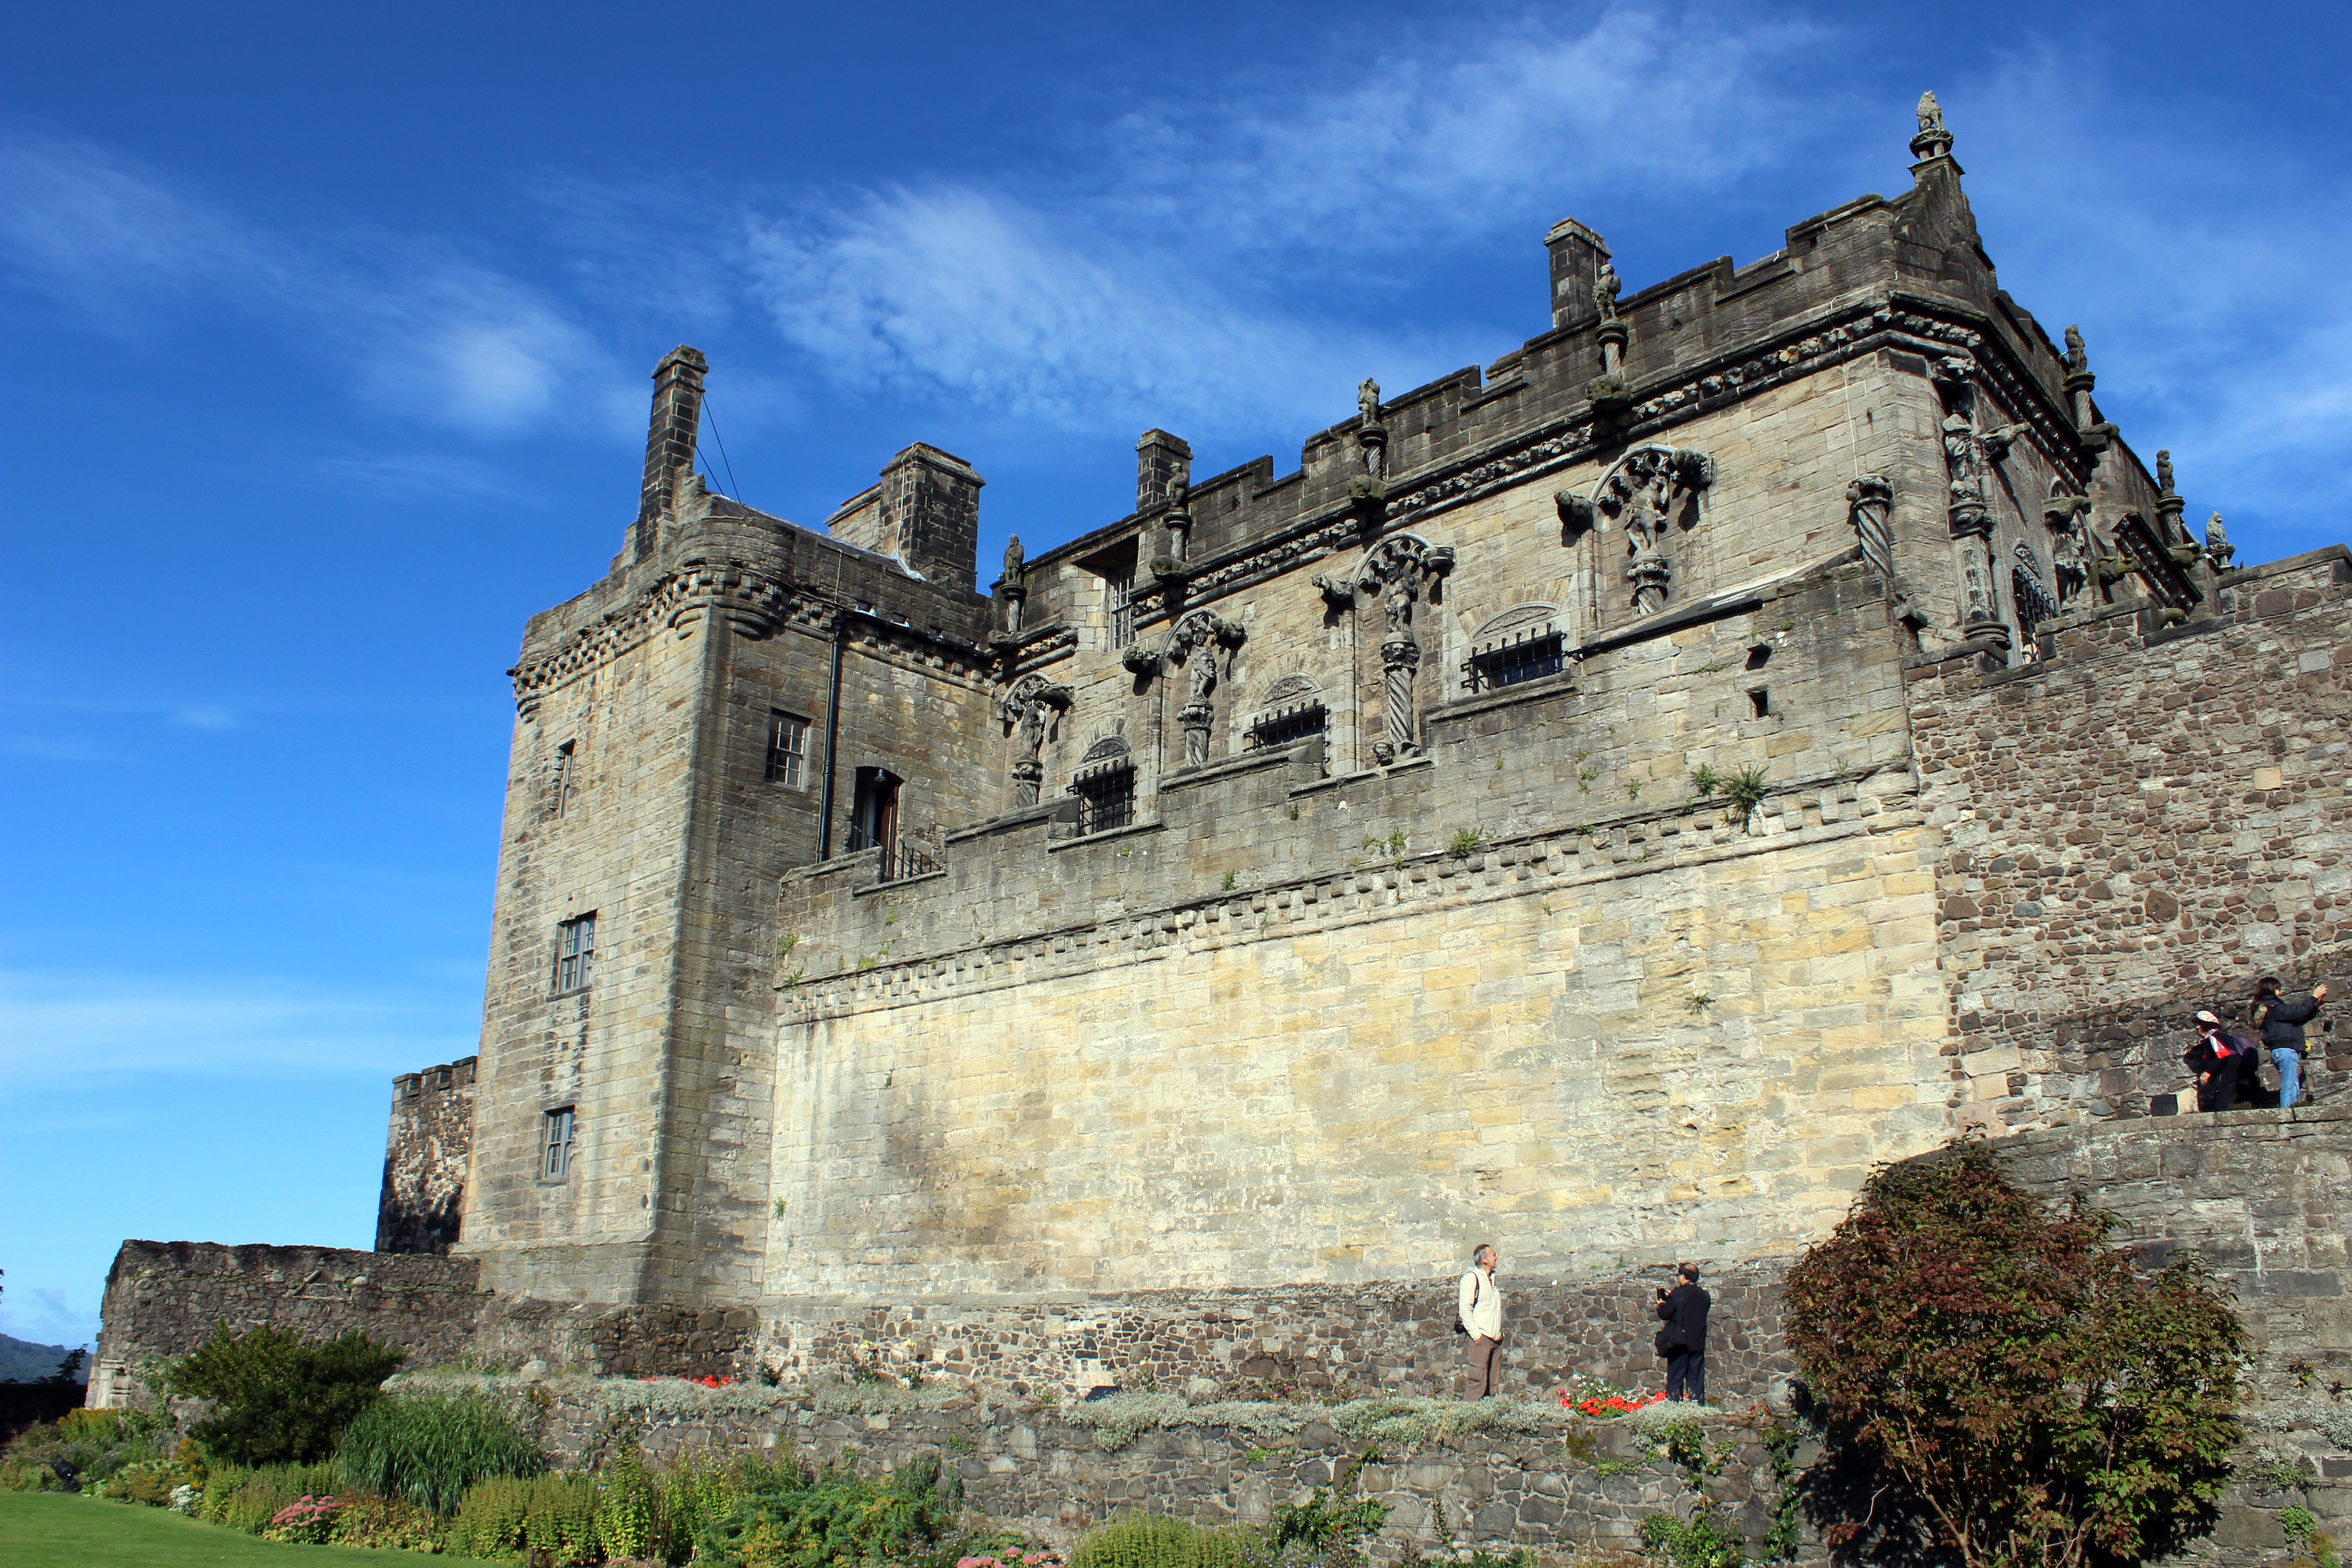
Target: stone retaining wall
(1396, 1335)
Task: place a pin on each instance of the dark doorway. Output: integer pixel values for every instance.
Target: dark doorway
(874, 810)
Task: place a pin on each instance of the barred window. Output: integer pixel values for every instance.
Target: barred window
(1106, 800)
(1287, 727)
(1527, 657)
(575, 953)
(787, 749)
(556, 1142)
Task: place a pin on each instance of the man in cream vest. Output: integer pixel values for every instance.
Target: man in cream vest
(1478, 1310)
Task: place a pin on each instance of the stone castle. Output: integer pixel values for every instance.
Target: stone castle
(1601, 803)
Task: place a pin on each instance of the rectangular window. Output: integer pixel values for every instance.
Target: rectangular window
(1287, 727)
(1528, 659)
(787, 749)
(575, 953)
(1122, 609)
(1106, 800)
(557, 1163)
(566, 757)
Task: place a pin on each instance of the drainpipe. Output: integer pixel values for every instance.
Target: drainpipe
(832, 735)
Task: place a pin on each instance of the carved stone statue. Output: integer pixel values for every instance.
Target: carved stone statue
(1016, 561)
(2078, 358)
(2218, 548)
(1032, 728)
(1931, 113)
(1368, 400)
(1397, 607)
(1605, 290)
(2164, 472)
(1202, 673)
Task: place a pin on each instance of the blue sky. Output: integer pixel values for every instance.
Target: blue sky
(328, 329)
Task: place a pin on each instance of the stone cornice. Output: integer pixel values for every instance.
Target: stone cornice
(1818, 341)
(756, 604)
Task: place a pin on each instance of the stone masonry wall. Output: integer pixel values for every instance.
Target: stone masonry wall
(1051, 1475)
(1290, 1029)
(164, 1298)
(423, 1204)
(1395, 1335)
(2141, 822)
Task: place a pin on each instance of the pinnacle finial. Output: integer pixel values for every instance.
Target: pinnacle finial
(1933, 140)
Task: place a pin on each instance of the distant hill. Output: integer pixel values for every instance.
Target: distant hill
(21, 1361)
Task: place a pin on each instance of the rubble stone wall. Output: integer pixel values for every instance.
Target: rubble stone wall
(423, 1205)
(2141, 822)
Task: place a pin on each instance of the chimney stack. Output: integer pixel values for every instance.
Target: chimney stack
(1577, 254)
(1161, 462)
(676, 420)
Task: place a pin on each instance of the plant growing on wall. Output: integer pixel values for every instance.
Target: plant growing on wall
(1997, 1380)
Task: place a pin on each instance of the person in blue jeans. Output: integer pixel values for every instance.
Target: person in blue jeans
(2280, 1022)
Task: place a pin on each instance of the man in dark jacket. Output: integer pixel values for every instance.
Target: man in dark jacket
(2280, 1022)
(1683, 1342)
(2216, 1060)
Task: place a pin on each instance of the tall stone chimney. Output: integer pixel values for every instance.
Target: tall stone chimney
(676, 419)
(1577, 254)
(925, 512)
(1161, 462)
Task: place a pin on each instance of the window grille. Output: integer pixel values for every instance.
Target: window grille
(1106, 798)
(1122, 608)
(1530, 656)
(2034, 603)
(1286, 726)
(787, 749)
(575, 953)
(557, 1144)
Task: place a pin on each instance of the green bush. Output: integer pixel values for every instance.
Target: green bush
(1146, 1541)
(427, 1451)
(98, 1445)
(279, 1397)
(561, 1518)
(629, 1522)
(489, 1522)
(798, 1518)
(248, 1498)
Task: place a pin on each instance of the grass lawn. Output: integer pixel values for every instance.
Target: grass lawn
(50, 1529)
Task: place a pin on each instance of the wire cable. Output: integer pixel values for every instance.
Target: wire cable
(722, 449)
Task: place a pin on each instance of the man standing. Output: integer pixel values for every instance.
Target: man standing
(2280, 1022)
(1478, 1309)
(1683, 1342)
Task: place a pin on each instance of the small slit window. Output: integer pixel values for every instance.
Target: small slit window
(1760, 702)
(566, 759)
(575, 953)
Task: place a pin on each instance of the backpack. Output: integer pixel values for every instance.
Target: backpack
(1477, 1292)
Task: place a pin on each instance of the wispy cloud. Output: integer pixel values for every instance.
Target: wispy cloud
(416, 325)
(2203, 269)
(57, 1029)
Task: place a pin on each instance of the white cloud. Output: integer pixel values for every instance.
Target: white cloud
(418, 327)
(59, 1029)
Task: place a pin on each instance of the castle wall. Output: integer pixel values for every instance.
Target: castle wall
(421, 1209)
(166, 1298)
(2142, 822)
(1250, 1041)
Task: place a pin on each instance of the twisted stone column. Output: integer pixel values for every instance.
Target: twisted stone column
(1869, 500)
(1401, 659)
